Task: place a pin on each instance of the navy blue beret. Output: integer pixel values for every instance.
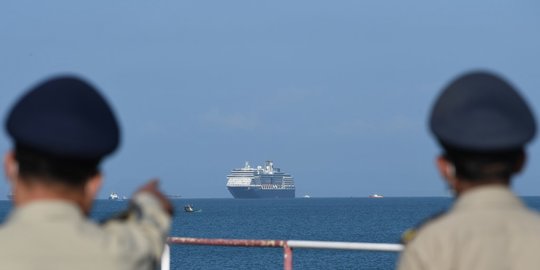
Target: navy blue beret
(481, 112)
(65, 117)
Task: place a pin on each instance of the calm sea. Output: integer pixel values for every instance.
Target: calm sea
(331, 219)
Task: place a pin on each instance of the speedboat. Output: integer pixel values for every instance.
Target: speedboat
(114, 196)
(189, 209)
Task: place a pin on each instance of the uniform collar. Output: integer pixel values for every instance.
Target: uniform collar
(46, 210)
(489, 196)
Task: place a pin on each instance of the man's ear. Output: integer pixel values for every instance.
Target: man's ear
(11, 167)
(93, 186)
(447, 171)
(91, 189)
(445, 167)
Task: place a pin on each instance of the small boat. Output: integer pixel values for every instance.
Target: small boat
(307, 196)
(189, 209)
(114, 196)
(376, 196)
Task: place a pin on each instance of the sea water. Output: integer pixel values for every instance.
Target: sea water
(327, 219)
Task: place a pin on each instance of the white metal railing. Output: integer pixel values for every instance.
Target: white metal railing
(345, 245)
(287, 246)
(166, 258)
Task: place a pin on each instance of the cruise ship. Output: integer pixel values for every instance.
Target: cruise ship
(260, 182)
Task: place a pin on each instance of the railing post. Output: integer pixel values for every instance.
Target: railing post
(287, 257)
(166, 258)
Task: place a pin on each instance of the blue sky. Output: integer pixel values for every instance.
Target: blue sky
(335, 92)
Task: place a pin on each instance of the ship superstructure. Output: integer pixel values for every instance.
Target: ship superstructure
(260, 182)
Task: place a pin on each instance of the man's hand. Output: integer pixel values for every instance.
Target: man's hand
(152, 188)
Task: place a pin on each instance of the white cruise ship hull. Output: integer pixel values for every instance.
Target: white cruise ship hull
(259, 193)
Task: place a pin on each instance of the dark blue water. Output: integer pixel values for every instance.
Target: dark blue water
(335, 219)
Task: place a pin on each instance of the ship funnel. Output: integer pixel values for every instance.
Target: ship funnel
(269, 166)
(246, 165)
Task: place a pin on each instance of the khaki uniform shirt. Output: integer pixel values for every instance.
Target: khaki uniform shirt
(55, 235)
(487, 228)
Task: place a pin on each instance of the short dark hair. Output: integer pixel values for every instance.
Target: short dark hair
(481, 166)
(48, 168)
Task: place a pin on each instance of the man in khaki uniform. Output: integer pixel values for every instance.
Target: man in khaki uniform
(483, 125)
(61, 130)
